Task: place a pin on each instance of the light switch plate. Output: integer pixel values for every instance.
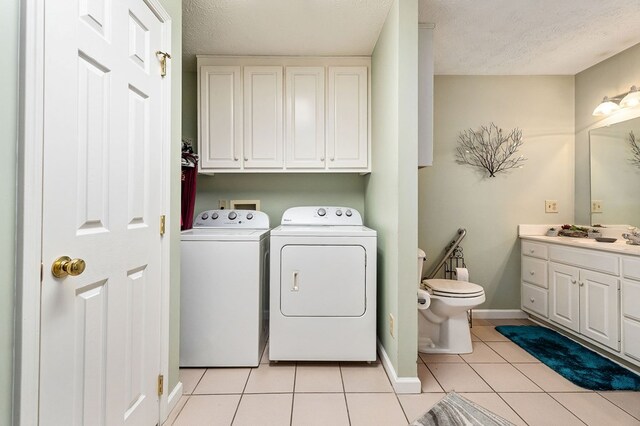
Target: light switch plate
(551, 206)
(596, 206)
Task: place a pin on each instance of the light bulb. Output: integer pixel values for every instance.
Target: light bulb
(632, 99)
(606, 107)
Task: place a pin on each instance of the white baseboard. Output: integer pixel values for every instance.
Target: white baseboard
(401, 385)
(173, 398)
(499, 314)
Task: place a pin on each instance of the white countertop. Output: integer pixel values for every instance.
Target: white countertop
(537, 233)
(619, 246)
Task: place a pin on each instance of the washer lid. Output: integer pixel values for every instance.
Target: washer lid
(221, 234)
(453, 288)
(323, 231)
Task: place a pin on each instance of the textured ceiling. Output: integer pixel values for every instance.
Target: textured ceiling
(281, 27)
(474, 37)
(523, 37)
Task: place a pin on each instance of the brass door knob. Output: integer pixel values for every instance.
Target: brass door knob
(64, 266)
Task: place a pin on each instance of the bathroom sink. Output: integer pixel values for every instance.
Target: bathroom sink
(577, 240)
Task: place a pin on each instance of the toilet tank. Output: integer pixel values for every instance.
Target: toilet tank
(422, 256)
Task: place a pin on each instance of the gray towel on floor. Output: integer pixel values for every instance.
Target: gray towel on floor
(454, 410)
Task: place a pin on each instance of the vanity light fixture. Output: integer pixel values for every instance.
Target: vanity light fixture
(624, 100)
(606, 107)
(632, 99)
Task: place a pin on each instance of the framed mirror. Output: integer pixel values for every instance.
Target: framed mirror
(615, 179)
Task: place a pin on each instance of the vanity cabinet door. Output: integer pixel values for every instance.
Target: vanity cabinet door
(599, 309)
(564, 295)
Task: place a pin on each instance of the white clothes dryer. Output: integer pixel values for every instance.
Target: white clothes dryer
(323, 286)
(224, 289)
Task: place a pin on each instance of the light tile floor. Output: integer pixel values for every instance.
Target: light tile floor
(499, 375)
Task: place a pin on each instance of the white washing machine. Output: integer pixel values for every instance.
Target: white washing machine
(323, 286)
(224, 292)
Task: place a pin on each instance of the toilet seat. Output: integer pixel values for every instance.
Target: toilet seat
(452, 288)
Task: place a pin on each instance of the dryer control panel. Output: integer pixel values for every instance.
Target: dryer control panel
(321, 215)
(242, 219)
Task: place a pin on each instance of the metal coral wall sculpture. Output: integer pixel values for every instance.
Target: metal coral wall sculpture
(490, 149)
(635, 150)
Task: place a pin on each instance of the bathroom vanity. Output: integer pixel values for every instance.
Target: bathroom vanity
(587, 288)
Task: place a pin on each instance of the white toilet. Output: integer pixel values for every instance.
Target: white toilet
(443, 327)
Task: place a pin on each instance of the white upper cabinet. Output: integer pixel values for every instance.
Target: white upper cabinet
(220, 117)
(263, 125)
(305, 144)
(284, 114)
(347, 119)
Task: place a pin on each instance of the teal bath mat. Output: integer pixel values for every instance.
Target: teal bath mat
(571, 360)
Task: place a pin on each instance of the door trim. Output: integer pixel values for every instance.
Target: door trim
(26, 369)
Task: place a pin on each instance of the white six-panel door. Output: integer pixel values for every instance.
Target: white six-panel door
(102, 182)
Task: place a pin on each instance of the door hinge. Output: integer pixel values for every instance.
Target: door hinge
(162, 222)
(162, 57)
(160, 384)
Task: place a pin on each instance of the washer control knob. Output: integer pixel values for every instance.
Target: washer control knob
(249, 216)
(348, 213)
(205, 216)
(321, 212)
(338, 212)
(214, 216)
(232, 215)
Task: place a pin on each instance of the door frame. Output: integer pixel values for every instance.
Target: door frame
(29, 268)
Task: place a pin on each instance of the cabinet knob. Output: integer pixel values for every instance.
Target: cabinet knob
(532, 251)
(246, 159)
(532, 300)
(235, 158)
(331, 158)
(321, 158)
(573, 280)
(532, 272)
(581, 284)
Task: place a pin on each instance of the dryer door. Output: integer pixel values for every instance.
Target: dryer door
(323, 281)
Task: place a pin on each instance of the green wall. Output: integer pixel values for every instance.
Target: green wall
(456, 196)
(276, 191)
(9, 42)
(608, 78)
(391, 188)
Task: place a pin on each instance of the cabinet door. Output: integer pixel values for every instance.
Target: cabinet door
(220, 117)
(599, 308)
(564, 296)
(305, 117)
(347, 124)
(263, 139)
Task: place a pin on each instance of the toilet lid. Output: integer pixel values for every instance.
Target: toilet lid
(453, 288)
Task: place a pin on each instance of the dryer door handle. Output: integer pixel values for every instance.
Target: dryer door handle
(295, 281)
